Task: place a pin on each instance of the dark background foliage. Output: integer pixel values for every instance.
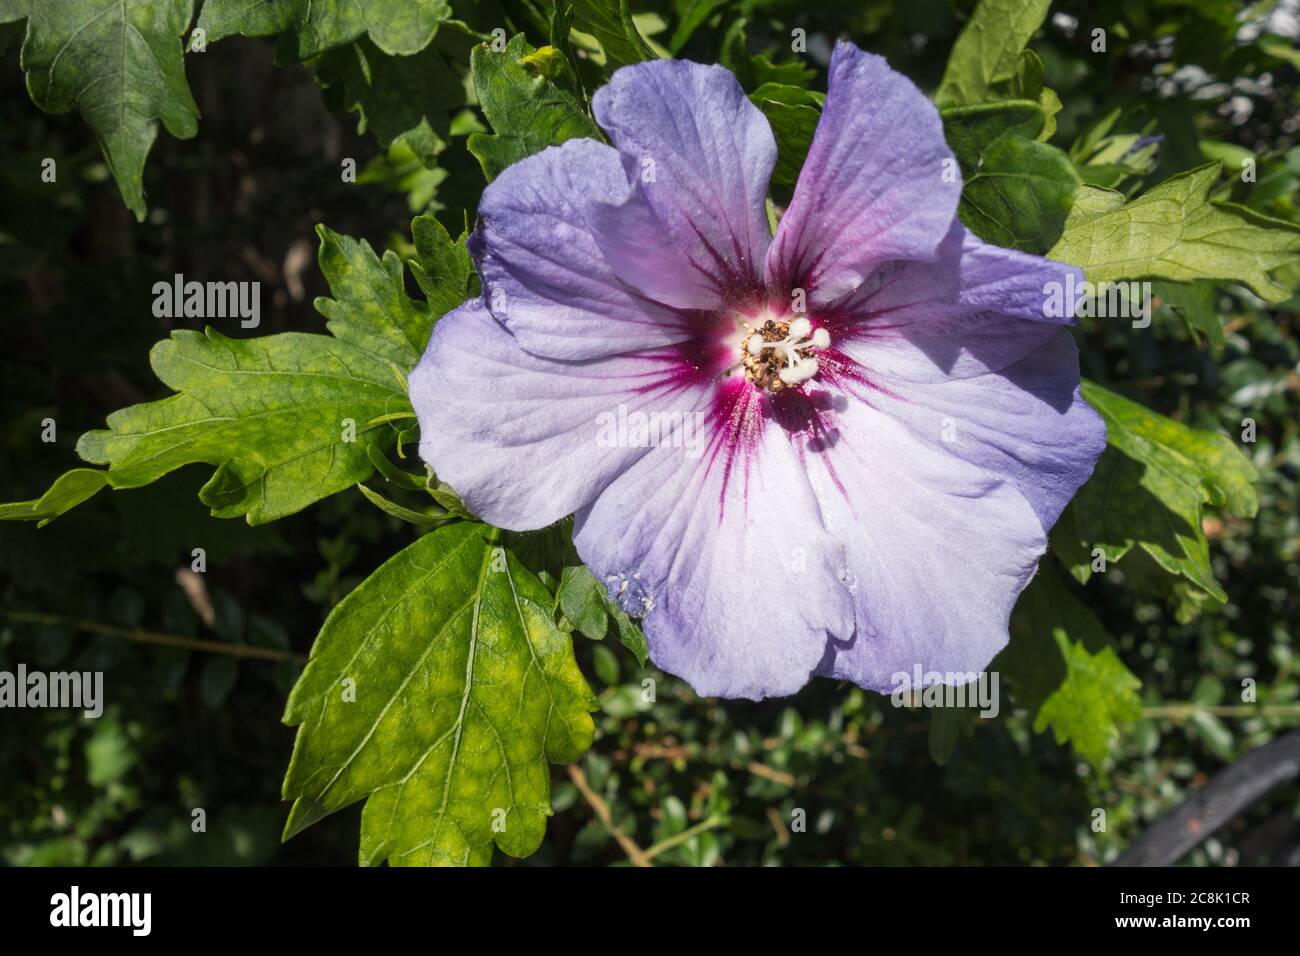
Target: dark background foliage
(240, 202)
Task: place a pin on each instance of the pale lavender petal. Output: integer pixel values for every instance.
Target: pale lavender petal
(967, 276)
(1026, 422)
(938, 549)
(525, 439)
(978, 308)
(873, 188)
(544, 272)
(960, 351)
(724, 553)
(699, 155)
(966, 314)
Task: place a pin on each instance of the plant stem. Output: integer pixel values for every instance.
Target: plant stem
(140, 635)
(678, 838)
(601, 809)
(1183, 711)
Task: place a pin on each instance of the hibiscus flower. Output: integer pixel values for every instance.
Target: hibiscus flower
(836, 450)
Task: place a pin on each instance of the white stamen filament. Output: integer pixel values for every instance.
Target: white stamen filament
(797, 368)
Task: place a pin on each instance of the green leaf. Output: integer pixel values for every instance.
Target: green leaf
(550, 63)
(1213, 732)
(545, 552)
(397, 98)
(948, 725)
(437, 691)
(586, 603)
(790, 73)
(120, 65)
(754, 71)
(1027, 84)
(793, 113)
(1112, 161)
(1065, 543)
(308, 28)
(1151, 485)
(630, 634)
(401, 169)
(441, 266)
(1032, 661)
(582, 602)
(1064, 670)
(1173, 231)
(272, 413)
(397, 476)
(1225, 476)
(527, 111)
(970, 130)
(987, 51)
(286, 419)
(564, 70)
(1193, 302)
(370, 308)
(610, 22)
(392, 508)
(1281, 48)
(1098, 694)
(1020, 195)
(69, 490)
(445, 497)
(693, 14)
(217, 680)
(1017, 191)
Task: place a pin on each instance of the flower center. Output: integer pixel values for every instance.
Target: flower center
(778, 355)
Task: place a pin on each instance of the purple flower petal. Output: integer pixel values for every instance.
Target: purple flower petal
(544, 273)
(873, 187)
(724, 554)
(960, 352)
(938, 549)
(525, 439)
(1026, 422)
(966, 276)
(699, 155)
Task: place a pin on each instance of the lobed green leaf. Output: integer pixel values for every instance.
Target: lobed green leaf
(120, 65)
(527, 111)
(1151, 485)
(1173, 231)
(987, 51)
(1063, 668)
(610, 22)
(284, 418)
(437, 691)
(1017, 191)
(307, 28)
(586, 603)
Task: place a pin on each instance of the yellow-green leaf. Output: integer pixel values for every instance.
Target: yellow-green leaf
(438, 691)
